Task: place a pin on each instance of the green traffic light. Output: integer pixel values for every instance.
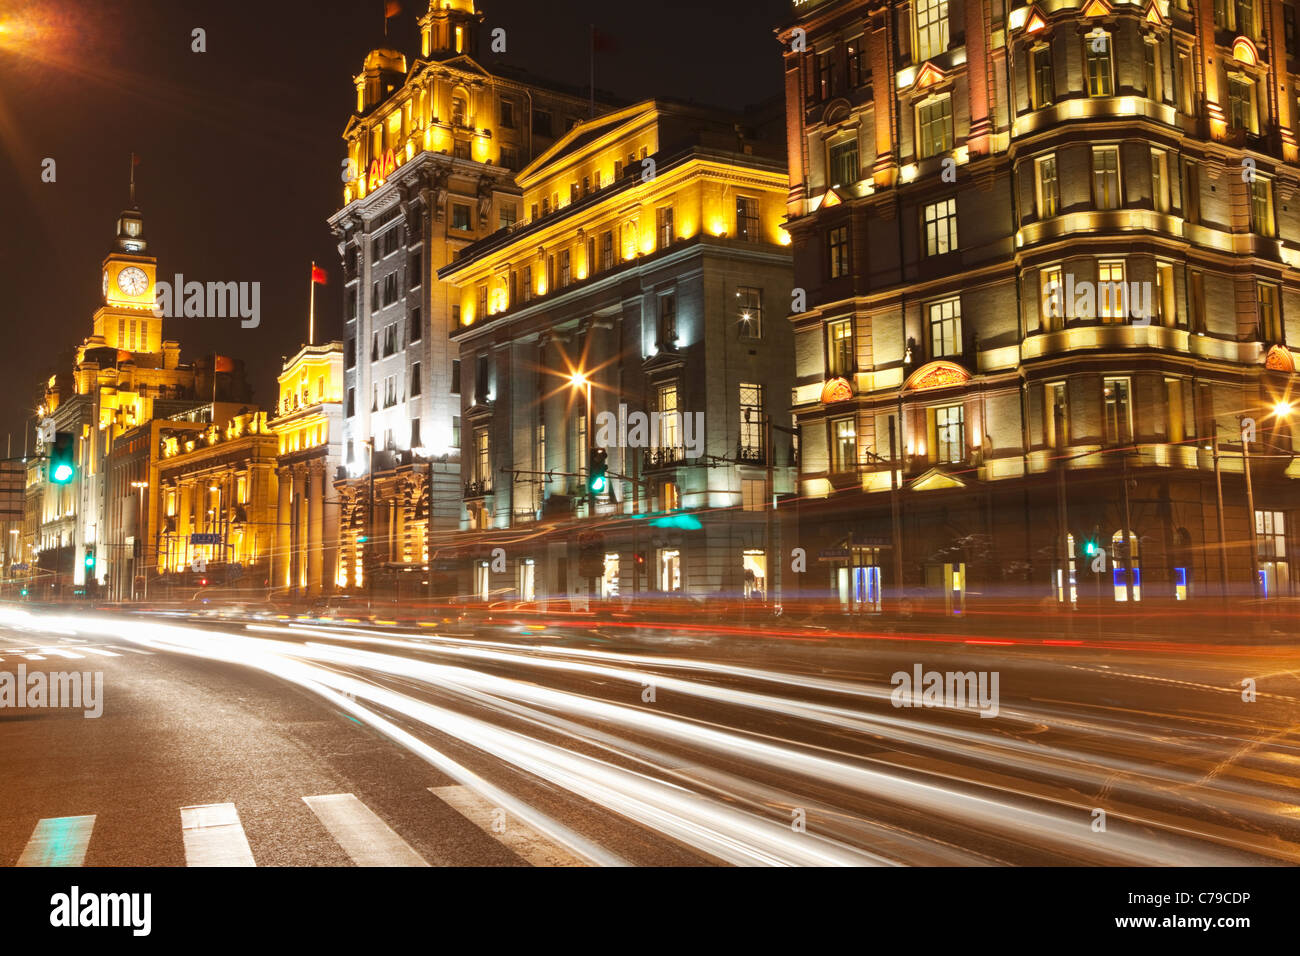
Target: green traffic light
(597, 484)
(62, 474)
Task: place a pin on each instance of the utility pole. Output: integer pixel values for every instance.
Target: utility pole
(1223, 538)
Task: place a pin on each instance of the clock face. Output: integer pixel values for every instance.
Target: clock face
(132, 281)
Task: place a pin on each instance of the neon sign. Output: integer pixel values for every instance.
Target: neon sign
(381, 170)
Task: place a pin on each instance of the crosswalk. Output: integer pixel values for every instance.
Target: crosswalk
(213, 834)
(71, 652)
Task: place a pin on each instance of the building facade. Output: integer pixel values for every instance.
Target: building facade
(1050, 266)
(432, 150)
(637, 314)
(308, 423)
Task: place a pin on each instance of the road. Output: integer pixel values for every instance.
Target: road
(282, 742)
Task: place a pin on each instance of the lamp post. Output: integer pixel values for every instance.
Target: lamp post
(579, 380)
(370, 527)
(139, 486)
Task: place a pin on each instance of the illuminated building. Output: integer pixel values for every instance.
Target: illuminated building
(970, 185)
(124, 375)
(218, 481)
(308, 424)
(649, 276)
(431, 151)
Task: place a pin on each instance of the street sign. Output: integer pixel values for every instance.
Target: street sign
(197, 539)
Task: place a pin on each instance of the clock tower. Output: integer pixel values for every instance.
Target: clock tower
(125, 321)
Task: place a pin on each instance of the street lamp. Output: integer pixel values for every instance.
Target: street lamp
(1280, 412)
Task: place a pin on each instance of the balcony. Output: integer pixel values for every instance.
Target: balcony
(667, 457)
(479, 488)
(751, 454)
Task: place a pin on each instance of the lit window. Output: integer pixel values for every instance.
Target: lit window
(1261, 206)
(664, 226)
(1048, 187)
(1097, 56)
(1241, 103)
(940, 227)
(945, 328)
(934, 126)
(842, 161)
(844, 445)
(837, 247)
(1105, 177)
(747, 219)
(749, 309)
(1160, 180)
(1270, 314)
(950, 434)
(752, 444)
(931, 28)
(1043, 86)
(1119, 421)
(840, 338)
(1111, 304)
(1054, 308)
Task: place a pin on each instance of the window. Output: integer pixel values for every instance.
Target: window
(1185, 81)
(1105, 177)
(934, 126)
(455, 376)
(350, 353)
(839, 337)
(1151, 69)
(844, 445)
(940, 220)
(1241, 103)
(390, 288)
(482, 302)
(415, 441)
(390, 391)
(460, 217)
(842, 162)
(374, 346)
(747, 219)
(1097, 58)
(1261, 206)
(1223, 14)
(1160, 180)
(1053, 408)
(1166, 308)
(945, 327)
(667, 320)
(566, 268)
(455, 431)
(508, 114)
(352, 403)
(1271, 551)
(458, 110)
(931, 28)
(391, 241)
(414, 326)
(1042, 89)
(1288, 28)
(753, 494)
(1125, 556)
(1054, 308)
(1119, 416)
(507, 214)
(390, 340)
(1191, 192)
(526, 287)
(752, 430)
(749, 311)
(837, 247)
(669, 421)
(481, 380)
(950, 434)
(858, 67)
(664, 226)
(1270, 313)
(414, 270)
(350, 307)
(1048, 187)
(1111, 304)
(415, 379)
(1245, 13)
(1196, 292)
(825, 76)
(606, 250)
(482, 457)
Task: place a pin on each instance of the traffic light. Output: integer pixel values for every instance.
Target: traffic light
(203, 582)
(88, 562)
(597, 478)
(62, 466)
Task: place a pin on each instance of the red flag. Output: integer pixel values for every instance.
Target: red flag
(318, 275)
(392, 8)
(603, 42)
(224, 364)
(135, 160)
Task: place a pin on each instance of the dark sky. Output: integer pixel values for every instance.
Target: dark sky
(240, 146)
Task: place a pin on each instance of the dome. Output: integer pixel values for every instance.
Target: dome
(385, 60)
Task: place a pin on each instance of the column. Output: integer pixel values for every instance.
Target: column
(333, 517)
(184, 523)
(280, 554)
(298, 572)
(315, 529)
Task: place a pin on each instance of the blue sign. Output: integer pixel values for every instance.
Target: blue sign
(196, 539)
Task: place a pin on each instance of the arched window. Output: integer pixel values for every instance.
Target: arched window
(1118, 571)
(459, 108)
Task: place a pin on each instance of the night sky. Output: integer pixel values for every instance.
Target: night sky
(240, 146)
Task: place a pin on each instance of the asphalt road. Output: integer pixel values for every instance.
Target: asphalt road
(275, 742)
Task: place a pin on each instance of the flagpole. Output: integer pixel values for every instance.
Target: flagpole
(311, 313)
(593, 71)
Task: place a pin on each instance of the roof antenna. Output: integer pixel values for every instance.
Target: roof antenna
(134, 161)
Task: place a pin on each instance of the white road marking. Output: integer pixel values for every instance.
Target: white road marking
(58, 841)
(59, 652)
(517, 836)
(214, 836)
(133, 650)
(34, 657)
(100, 651)
(368, 840)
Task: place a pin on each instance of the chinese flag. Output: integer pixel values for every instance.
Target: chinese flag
(318, 275)
(224, 364)
(392, 8)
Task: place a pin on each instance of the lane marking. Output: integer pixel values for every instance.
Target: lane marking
(368, 840)
(516, 835)
(100, 651)
(59, 652)
(132, 650)
(58, 841)
(34, 657)
(214, 836)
